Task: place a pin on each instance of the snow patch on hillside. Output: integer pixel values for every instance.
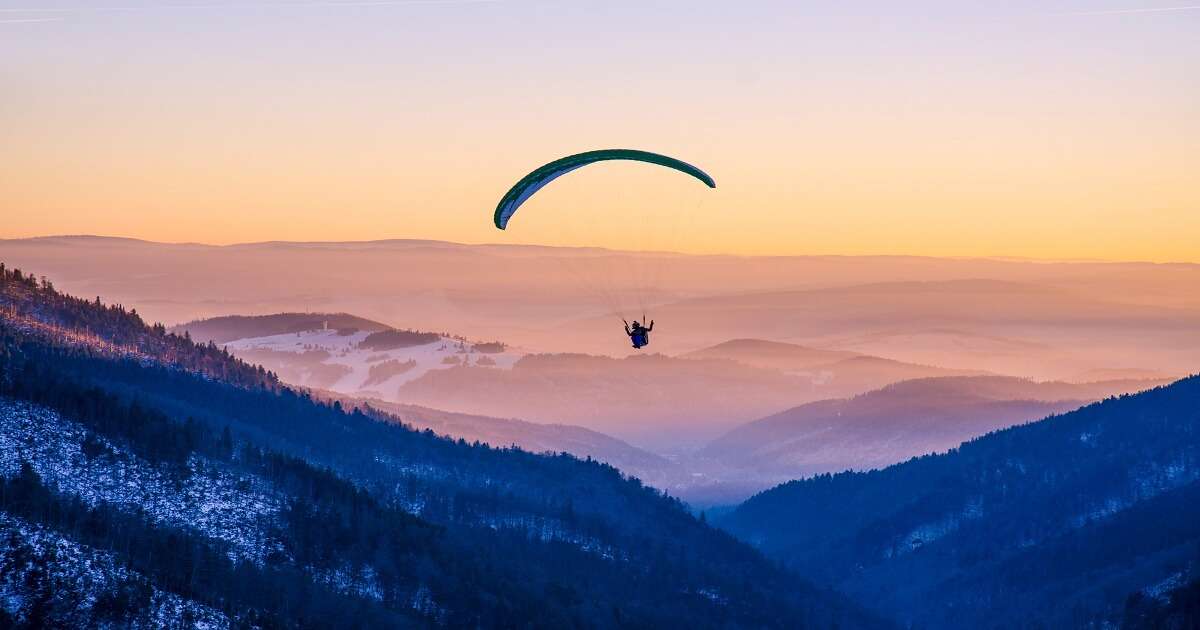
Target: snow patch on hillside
(928, 532)
(312, 357)
(208, 499)
(1161, 590)
(1146, 482)
(75, 577)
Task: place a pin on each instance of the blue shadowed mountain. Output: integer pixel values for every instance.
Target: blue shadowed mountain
(1065, 522)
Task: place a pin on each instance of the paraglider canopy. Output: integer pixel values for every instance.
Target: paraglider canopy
(547, 173)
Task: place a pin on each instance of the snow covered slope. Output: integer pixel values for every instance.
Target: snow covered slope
(208, 498)
(48, 578)
(351, 364)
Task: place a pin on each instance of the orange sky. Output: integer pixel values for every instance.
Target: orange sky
(935, 130)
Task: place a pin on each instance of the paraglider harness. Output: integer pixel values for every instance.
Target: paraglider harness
(640, 335)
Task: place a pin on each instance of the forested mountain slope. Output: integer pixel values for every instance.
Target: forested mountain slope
(1052, 524)
(149, 481)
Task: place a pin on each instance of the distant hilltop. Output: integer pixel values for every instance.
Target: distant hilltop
(221, 330)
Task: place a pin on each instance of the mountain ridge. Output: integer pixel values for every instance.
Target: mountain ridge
(969, 527)
(1001, 259)
(889, 425)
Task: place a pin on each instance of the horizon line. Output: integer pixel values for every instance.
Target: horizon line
(996, 258)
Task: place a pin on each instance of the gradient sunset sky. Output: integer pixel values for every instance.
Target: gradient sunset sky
(1043, 129)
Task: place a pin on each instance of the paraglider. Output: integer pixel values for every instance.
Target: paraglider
(536, 180)
(638, 334)
(530, 184)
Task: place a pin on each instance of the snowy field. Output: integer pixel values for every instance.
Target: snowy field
(339, 362)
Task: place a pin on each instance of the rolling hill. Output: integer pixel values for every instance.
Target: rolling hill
(341, 353)
(1056, 523)
(222, 330)
(833, 373)
(899, 421)
(787, 357)
(654, 401)
(533, 437)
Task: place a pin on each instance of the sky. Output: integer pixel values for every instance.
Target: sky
(1061, 129)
